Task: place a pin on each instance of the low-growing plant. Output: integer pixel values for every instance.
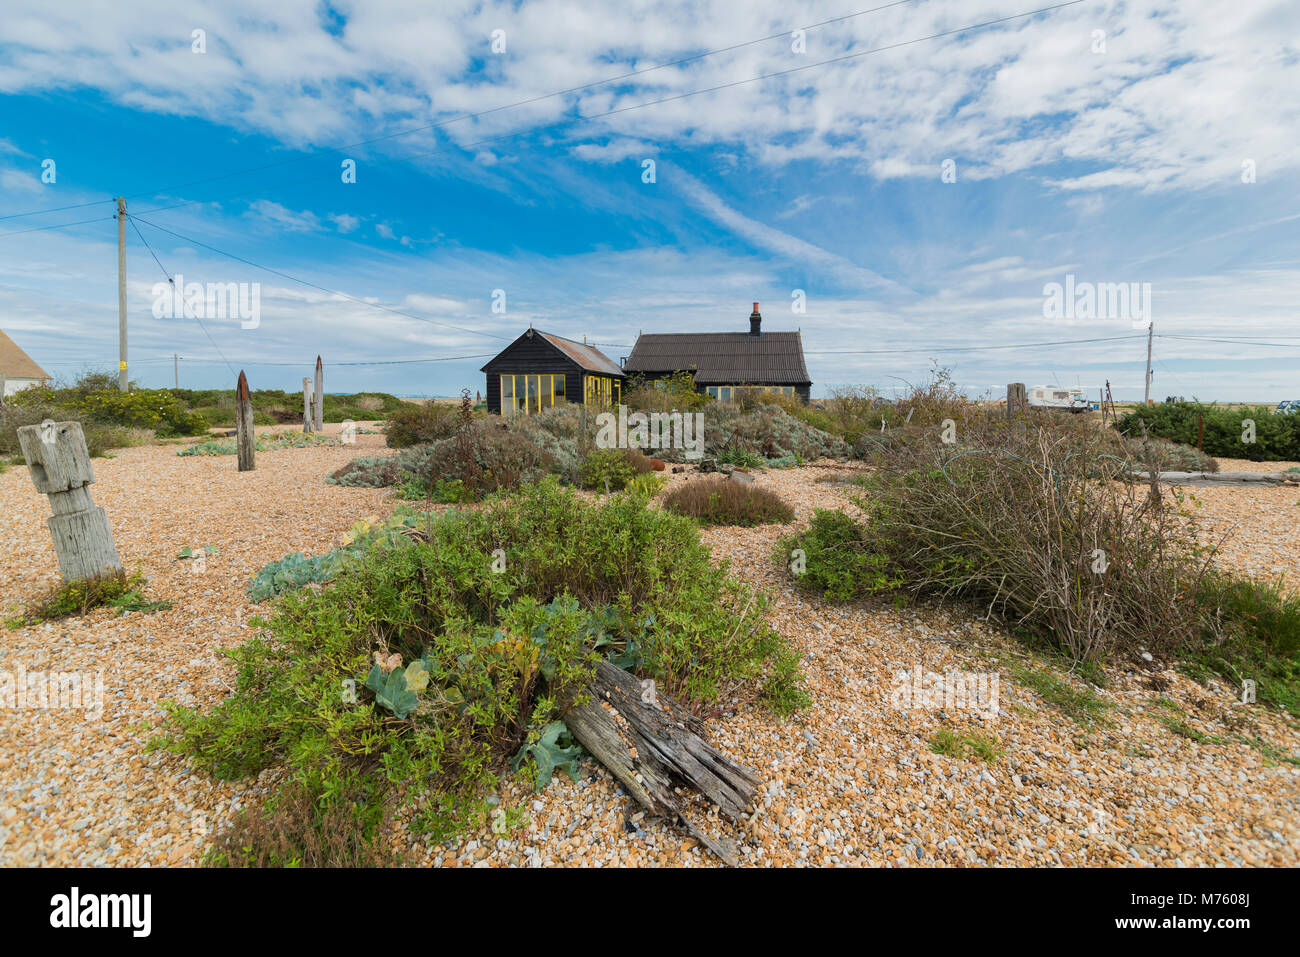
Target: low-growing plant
(270, 442)
(742, 458)
(453, 644)
(299, 826)
(116, 589)
(981, 747)
(721, 501)
(1250, 632)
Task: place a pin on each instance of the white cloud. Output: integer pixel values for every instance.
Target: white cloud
(344, 222)
(1185, 90)
(283, 218)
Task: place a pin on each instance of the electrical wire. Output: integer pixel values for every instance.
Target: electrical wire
(317, 286)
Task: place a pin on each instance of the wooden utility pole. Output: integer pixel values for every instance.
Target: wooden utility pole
(59, 465)
(176, 369)
(1146, 398)
(121, 293)
(318, 422)
(244, 433)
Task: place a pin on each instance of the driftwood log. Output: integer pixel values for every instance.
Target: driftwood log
(1222, 478)
(653, 746)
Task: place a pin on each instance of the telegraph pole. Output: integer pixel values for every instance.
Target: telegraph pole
(121, 292)
(176, 369)
(1151, 328)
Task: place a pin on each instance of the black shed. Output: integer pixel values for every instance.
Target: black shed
(540, 370)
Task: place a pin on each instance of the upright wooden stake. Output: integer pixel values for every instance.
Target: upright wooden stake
(244, 423)
(1016, 399)
(59, 465)
(319, 421)
(308, 406)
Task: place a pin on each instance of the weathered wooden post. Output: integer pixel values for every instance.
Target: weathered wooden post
(244, 433)
(320, 396)
(308, 406)
(1016, 399)
(59, 464)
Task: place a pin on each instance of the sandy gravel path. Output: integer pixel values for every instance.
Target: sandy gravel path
(852, 782)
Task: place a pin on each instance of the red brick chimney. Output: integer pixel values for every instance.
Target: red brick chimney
(755, 321)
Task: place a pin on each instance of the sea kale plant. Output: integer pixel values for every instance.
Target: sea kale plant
(451, 646)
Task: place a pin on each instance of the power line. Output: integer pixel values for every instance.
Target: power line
(172, 282)
(1235, 340)
(471, 116)
(949, 349)
(260, 362)
(37, 229)
(332, 292)
(56, 209)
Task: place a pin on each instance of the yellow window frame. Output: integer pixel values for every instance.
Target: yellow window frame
(530, 393)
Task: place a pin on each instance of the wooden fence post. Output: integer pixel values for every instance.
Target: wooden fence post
(1016, 399)
(308, 406)
(320, 396)
(245, 436)
(59, 464)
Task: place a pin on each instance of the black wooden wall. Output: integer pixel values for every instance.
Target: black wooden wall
(531, 356)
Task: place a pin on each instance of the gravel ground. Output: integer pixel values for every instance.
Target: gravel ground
(851, 782)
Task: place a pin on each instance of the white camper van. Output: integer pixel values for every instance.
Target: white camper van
(1057, 397)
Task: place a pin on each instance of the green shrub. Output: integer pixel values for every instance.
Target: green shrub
(488, 658)
(155, 409)
(1277, 436)
(672, 393)
(766, 431)
(835, 557)
(720, 501)
(99, 437)
(411, 424)
(1250, 631)
(617, 467)
(1024, 520)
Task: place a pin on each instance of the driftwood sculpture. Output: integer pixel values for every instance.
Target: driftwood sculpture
(59, 464)
(653, 746)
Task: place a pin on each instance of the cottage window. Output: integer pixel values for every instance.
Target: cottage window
(602, 391)
(527, 394)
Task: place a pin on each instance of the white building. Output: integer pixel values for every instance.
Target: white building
(17, 370)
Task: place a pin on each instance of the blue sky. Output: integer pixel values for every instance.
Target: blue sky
(1103, 140)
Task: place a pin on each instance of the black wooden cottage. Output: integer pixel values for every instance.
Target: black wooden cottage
(725, 361)
(540, 370)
